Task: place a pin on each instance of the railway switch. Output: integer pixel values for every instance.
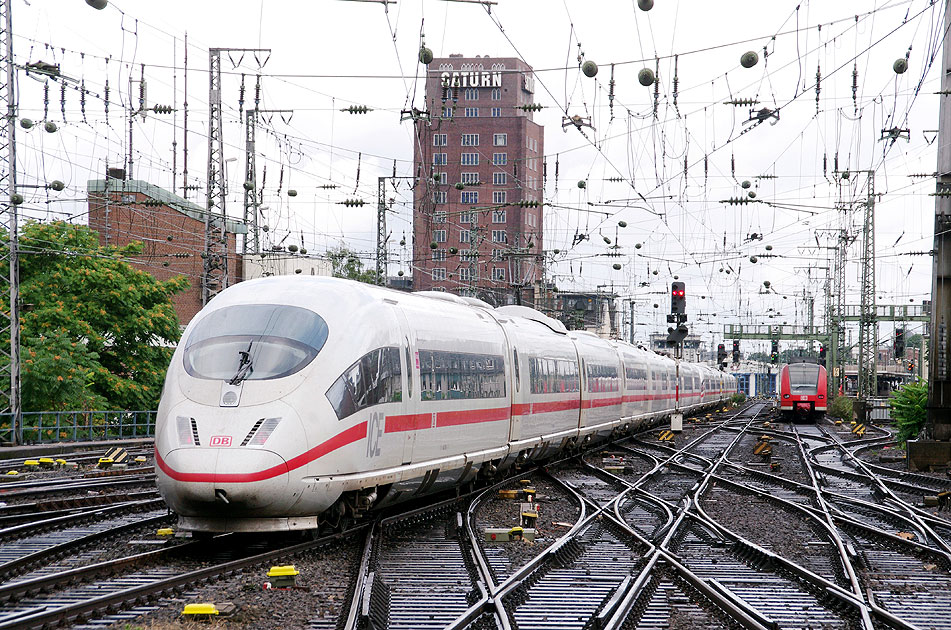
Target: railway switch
(47, 462)
(165, 532)
(104, 462)
(763, 448)
(12, 473)
(508, 494)
(283, 576)
(666, 436)
(31, 463)
(859, 430)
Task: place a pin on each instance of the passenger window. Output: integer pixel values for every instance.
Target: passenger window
(458, 375)
(374, 379)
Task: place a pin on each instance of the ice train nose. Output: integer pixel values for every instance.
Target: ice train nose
(230, 479)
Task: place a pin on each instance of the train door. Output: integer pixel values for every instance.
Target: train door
(405, 425)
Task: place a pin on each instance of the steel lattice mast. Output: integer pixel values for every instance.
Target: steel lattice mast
(215, 273)
(868, 326)
(9, 264)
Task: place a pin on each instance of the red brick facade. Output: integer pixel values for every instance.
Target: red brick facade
(477, 219)
(172, 232)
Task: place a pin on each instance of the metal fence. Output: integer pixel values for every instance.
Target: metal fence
(40, 427)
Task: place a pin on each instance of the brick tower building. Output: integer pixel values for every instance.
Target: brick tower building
(477, 213)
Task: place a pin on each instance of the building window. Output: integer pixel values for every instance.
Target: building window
(472, 94)
(439, 236)
(464, 236)
(499, 236)
(496, 112)
(441, 178)
(498, 273)
(500, 179)
(439, 139)
(469, 196)
(447, 112)
(439, 159)
(472, 112)
(470, 159)
(439, 197)
(498, 196)
(496, 94)
(498, 216)
(439, 255)
(468, 255)
(500, 139)
(499, 159)
(470, 139)
(439, 273)
(497, 255)
(439, 217)
(467, 274)
(469, 178)
(467, 217)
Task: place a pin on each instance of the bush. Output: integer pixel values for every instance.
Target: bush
(738, 399)
(841, 408)
(908, 410)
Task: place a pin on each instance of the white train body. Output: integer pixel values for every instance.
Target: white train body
(291, 396)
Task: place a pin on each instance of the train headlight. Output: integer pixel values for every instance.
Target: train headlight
(822, 395)
(785, 395)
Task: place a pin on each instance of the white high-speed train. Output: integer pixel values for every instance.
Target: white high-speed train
(297, 401)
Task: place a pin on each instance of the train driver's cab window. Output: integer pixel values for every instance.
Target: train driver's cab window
(254, 342)
(803, 378)
(373, 380)
(460, 375)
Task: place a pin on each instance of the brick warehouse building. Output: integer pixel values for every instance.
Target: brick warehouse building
(477, 213)
(171, 229)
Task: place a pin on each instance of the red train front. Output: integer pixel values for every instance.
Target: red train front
(802, 391)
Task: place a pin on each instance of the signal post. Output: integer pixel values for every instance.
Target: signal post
(675, 337)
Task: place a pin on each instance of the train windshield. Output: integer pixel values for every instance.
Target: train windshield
(254, 342)
(803, 378)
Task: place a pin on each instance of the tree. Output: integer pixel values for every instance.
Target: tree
(96, 333)
(914, 341)
(346, 263)
(908, 406)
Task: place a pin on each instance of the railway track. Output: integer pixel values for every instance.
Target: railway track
(701, 532)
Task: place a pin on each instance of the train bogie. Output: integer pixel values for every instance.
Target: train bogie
(296, 401)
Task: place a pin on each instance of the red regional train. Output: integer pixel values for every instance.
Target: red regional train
(291, 402)
(803, 393)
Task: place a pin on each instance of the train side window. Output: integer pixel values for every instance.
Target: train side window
(373, 380)
(458, 375)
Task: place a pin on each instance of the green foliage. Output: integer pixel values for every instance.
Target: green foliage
(841, 408)
(908, 409)
(738, 398)
(346, 263)
(914, 341)
(95, 331)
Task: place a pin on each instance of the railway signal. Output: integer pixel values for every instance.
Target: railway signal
(678, 298)
(774, 353)
(899, 343)
(721, 354)
(736, 350)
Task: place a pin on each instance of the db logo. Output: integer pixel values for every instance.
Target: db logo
(220, 440)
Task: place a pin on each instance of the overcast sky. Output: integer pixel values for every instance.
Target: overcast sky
(327, 55)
